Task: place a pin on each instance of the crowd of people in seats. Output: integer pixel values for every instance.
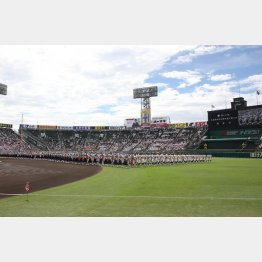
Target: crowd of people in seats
(164, 140)
(10, 142)
(116, 159)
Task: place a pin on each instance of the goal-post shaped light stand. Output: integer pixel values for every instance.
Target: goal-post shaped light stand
(145, 94)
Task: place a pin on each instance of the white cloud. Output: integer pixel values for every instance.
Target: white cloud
(193, 106)
(251, 83)
(189, 77)
(155, 84)
(199, 51)
(93, 85)
(253, 79)
(76, 85)
(223, 77)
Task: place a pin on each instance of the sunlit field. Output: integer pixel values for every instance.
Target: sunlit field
(224, 187)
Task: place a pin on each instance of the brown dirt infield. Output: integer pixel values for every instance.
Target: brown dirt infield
(14, 173)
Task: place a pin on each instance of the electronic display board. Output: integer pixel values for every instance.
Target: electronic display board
(223, 119)
(233, 119)
(250, 117)
(145, 92)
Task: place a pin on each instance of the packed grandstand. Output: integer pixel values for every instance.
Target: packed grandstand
(99, 139)
(223, 131)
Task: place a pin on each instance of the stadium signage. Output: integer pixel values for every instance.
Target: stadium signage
(145, 92)
(242, 133)
(132, 122)
(239, 116)
(5, 125)
(129, 123)
(222, 119)
(178, 125)
(256, 155)
(160, 121)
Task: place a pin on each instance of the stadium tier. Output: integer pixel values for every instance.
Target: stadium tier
(152, 140)
(10, 142)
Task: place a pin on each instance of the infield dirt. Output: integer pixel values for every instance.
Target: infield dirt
(42, 174)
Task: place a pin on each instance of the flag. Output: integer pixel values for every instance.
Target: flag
(258, 93)
(212, 106)
(27, 187)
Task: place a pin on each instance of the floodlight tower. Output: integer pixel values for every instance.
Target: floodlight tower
(145, 93)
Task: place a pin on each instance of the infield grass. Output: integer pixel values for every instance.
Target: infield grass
(224, 187)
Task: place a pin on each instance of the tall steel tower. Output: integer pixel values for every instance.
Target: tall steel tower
(145, 93)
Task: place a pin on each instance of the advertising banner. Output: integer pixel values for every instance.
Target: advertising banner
(23, 126)
(178, 125)
(81, 127)
(99, 127)
(32, 127)
(200, 123)
(145, 117)
(47, 127)
(5, 125)
(132, 122)
(160, 121)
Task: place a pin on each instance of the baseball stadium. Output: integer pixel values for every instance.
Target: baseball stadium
(147, 167)
(68, 165)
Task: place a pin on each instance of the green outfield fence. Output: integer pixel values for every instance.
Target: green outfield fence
(225, 153)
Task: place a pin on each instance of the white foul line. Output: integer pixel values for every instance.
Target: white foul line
(146, 197)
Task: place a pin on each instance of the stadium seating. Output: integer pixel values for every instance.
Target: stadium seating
(10, 142)
(127, 141)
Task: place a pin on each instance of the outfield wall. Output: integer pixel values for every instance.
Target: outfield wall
(225, 153)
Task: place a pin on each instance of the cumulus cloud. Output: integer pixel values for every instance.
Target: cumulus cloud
(223, 77)
(200, 51)
(189, 77)
(76, 85)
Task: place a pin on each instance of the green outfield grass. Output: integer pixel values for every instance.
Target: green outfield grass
(224, 187)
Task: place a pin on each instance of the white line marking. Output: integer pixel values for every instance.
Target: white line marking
(149, 197)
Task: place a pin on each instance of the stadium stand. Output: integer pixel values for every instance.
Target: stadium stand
(10, 142)
(162, 140)
(235, 129)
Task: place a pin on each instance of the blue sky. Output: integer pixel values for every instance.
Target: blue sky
(233, 62)
(92, 85)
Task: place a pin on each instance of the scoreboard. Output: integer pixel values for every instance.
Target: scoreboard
(223, 119)
(145, 92)
(250, 117)
(239, 116)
